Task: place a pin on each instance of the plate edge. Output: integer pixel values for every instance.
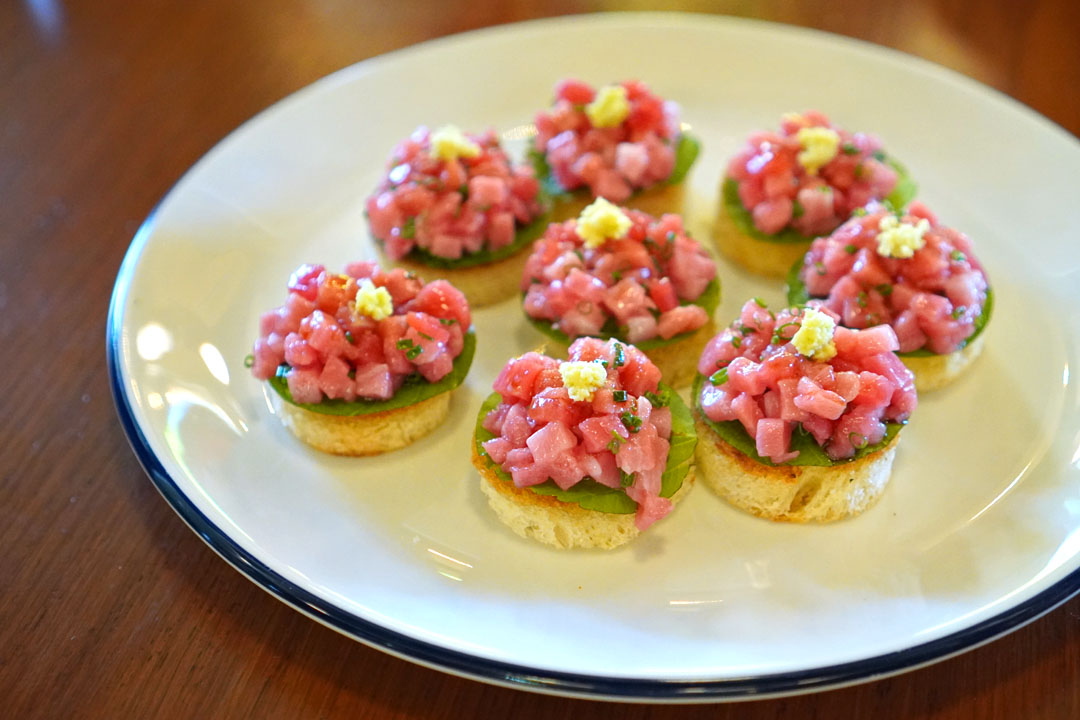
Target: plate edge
(520, 676)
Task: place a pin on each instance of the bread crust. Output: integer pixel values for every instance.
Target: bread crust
(554, 522)
(655, 201)
(936, 371)
(792, 493)
(360, 435)
(772, 259)
(677, 361)
(483, 285)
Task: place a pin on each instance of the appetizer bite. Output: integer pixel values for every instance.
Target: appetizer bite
(619, 142)
(909, 272)
(363, 362)
(784, 189)
(452, 206)
(798, 419)
(620, 273)
(586, 452)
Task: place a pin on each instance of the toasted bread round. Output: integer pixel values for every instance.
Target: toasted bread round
(483, 285)
(553, 522)
(656, 201)
(792, 493)
(936, 371)
(763, 257)
(363, 434)
(677, 361)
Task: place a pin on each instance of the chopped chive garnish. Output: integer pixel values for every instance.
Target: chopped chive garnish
(819, 267)
(620, 357)
(655, 400)
(858, 212)
(884, 288)
(879, 155)
(349, 337)
(249, 361)
(615, 442)
(736, 341)
(860, 299)
(619, 395)
(850, 249)
(778, 333)
(426, 336)
(849, 149)
(631, 421)
(616, 275)
(858, 441)
(448, 321)
(747, 330)
(411, 351)
(958, 256)
(408, 230)
(719, 377)
(797, 210)
(958, 311)
(759, 302)
(626, 479)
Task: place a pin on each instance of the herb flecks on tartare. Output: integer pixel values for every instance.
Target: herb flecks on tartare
(794, 387)
(618, 272)
(449, 195)
(905, 270)
(611, 141)
(360, 335)
(808, 177)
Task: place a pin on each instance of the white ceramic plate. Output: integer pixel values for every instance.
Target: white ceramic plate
(978, 533)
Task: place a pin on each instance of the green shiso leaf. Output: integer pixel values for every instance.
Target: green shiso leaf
(905, 189)
(687, 150)
(810, 453)
(708, 300)
(548, 184)
(590, 494)
(523, 238)
(901, 195)
(743, 220)
(797, 294)
(415, 389)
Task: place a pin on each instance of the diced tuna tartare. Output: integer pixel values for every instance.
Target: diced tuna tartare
(360, 334)
(613, 140)
(809, 176)
(618, 272)
(906, 271)
(614, 433)
(450, 194)
(776, 372)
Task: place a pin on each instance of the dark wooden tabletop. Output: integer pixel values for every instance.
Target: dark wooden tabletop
(109, 605)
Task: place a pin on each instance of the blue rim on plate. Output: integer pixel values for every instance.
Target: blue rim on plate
(532, 678)
(516, 675)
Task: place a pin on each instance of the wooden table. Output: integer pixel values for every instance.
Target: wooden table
(109, 605)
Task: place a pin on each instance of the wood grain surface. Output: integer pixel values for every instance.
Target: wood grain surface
(109, 605)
